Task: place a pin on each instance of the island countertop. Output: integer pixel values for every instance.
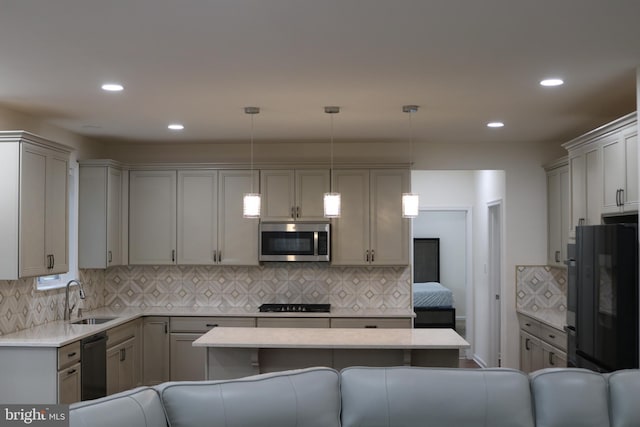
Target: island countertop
(332, 338)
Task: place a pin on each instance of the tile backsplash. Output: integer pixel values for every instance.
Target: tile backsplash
(353, 288)
(540, 288)
(22, 306)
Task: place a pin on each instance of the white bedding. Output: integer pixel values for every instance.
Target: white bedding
(431, 294)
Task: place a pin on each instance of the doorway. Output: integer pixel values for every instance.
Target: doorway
(495, 278)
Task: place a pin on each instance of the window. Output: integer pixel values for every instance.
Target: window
(56, 281)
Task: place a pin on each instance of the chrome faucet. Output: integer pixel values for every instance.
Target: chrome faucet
(67, 310)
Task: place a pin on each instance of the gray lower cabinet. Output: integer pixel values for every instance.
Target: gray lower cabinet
(188, 362)
(541, 346)
(69, 373)
(155, 350)
(371, 322)
(124, 361)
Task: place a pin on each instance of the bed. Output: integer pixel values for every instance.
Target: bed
(432, 302)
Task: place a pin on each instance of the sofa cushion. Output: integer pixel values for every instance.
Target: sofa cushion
(624, 389)
(413, 396)
(570, 398)
(139, 407)
(298, 398)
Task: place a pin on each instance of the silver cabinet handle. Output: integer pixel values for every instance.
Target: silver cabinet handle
(557, 256)
(293, 211)
(622, 197)
(123, 354)
(219, 256)
(173, 255)
(526, 344)
(367, 255)
(551, 359)
(110, 257)
(297, 211)
(373, 255)
(215, 256)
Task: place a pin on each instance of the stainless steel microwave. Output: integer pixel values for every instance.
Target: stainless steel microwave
(289, 241)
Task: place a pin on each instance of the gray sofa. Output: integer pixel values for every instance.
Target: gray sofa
(372, 397)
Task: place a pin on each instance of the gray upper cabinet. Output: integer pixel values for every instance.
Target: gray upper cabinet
(294, 194)
(34, 214)
(101, 220)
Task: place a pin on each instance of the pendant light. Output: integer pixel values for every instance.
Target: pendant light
(331, 199)
(251, 201)
(410, 201)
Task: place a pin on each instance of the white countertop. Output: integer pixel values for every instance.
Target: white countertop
(341, 338)
(554, 318)
(59, 333)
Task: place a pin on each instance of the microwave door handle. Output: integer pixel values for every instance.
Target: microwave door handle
(315, 243)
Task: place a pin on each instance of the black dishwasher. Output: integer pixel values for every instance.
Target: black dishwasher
(93, 357)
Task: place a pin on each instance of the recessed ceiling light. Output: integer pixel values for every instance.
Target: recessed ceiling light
(112, 87)
(495, 124)
(552, 82)
(176, 126)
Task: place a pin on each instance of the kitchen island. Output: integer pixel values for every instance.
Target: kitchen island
(238, 352)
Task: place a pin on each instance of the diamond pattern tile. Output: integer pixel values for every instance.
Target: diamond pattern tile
(541, 288)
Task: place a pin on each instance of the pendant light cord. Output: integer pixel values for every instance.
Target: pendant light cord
(410, 141)
(252, 153)
(331, 177)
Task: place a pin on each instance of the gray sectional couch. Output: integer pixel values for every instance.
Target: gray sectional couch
(372, 397)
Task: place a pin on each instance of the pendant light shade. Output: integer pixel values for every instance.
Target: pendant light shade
(251, 202)
(251, 205)
(410, 205)
(410, 201)
(331, 199)
(332, 205)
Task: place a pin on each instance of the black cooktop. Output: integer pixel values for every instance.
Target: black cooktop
(303, 308)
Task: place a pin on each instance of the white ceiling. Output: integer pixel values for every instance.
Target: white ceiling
(199, 62)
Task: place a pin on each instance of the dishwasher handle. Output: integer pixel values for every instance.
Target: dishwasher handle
(94, 340)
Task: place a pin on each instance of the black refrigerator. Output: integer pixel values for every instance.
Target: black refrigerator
(602, 299)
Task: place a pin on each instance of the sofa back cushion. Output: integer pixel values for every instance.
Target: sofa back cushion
(299, 398)
(139, 407)
(412, 396)
(624, 391)
(570, 398)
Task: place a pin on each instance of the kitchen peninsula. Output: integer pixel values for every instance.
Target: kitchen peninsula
(237, 352)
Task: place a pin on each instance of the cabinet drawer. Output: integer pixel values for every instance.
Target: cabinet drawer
(203, 324)
(370, 322)
(68, 355)
(122, 333)
(553, 336)
(294, 322)
(530, 325)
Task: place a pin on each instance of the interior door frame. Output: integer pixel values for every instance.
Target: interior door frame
(495, 253)
(469, 324)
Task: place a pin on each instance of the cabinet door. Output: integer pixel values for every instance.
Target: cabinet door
(197, 217)
(553, 357)
(389, 230)
(631, 195)
(530, 353)
(558, 215)
(114, 217)
(237, 236)
(577, 167)
(593, 186)
(152, 216)
(350, 236)
(278, 195)
(311, 184)
(69, 384)
(613, 162)
(33, 192)
(187, 362)
(156, 349)
(57, 224)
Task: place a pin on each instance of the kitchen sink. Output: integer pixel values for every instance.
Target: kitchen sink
(92, 320)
